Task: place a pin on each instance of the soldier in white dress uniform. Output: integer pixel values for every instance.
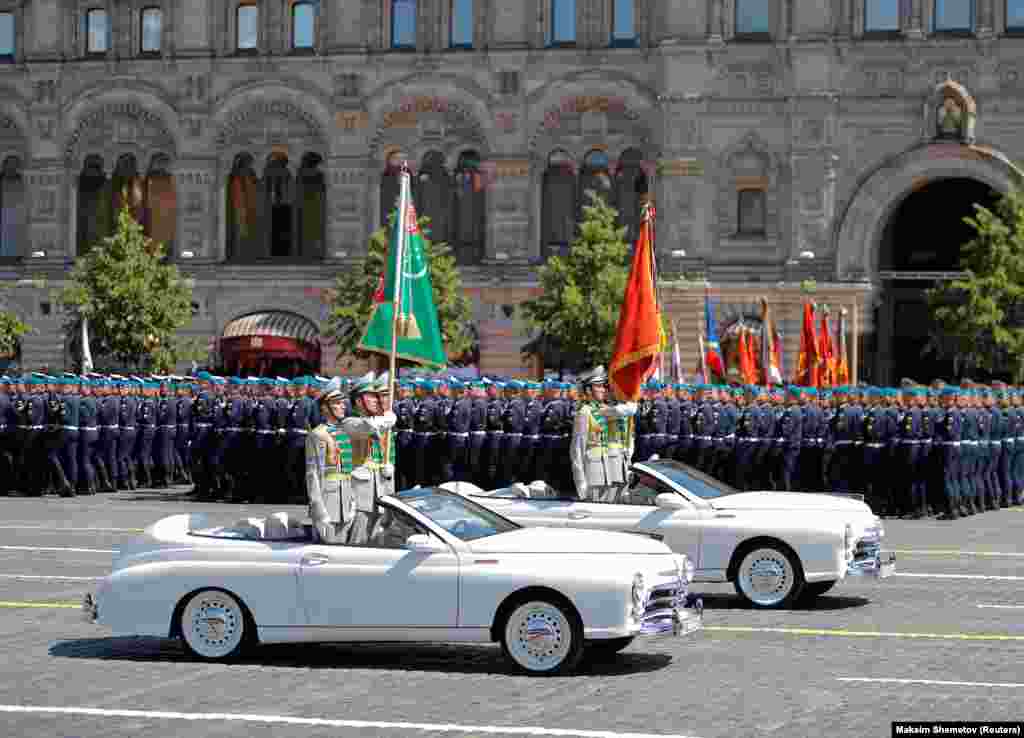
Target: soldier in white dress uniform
(602, 440)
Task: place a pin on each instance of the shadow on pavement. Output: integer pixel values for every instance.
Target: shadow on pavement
(460, 659)
(823, 603)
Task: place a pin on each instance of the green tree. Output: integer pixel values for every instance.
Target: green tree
(979, 318)
(578, 311)
(135, 303)
(11, 331)
(351, 300)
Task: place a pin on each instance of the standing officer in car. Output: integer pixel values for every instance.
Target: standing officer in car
(602, 442)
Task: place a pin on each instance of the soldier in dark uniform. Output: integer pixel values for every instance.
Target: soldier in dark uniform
(995, 450)
(70, 431)
(477, 433)
(826, 442)
(513, 421)
(423, 431)
(1017, 465)
(533, 420)
(673, 421)
(704, 422)
(846, 423)
(234, 417)
(442, 465)
(910, 429)
(764, 430)
(202, 425)
(145, 433)
(404, 409)
(747, 441)
(551, 457)
(495, 435)
(790, 430)
(127, 419)
(183, 447)
(456, 458)
(724, 436)
(687, 411)
(947, 446)
(8, 424)
(645, 424)
(809, 465)
(968, 452)
(297, 428)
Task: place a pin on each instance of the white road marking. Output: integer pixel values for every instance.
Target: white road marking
(1001, 607)
(990, 577)
(331, 723)
(931, 682)
(56, 529)
(57, 548)
(44, 578)
(955, 552)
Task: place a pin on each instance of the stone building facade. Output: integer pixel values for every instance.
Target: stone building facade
(781, 141)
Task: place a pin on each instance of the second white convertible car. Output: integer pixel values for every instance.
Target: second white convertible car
(774, 546)
(437, 568)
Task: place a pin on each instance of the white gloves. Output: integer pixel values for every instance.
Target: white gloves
(387, 471)
(626, 409)
(386, 421)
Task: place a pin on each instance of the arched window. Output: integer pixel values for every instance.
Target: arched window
(403, 24)
(558, 208)
(97, 32)
(752, 215)
(881, 16)
(95, 205)
(624, 23)
(247, 18)
(160, 203)
(312, 213)
(631, 190)
(461, 26)
(562, 24)
(390, 184)
(595, 176)
(752, 17)
(279, 220)
(152, 23)
(12, 209)
(433, 193)
(244, 211)
(304, 25)
(470, 210)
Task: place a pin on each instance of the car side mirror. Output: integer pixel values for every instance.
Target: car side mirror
(422, 543)
(669, 501)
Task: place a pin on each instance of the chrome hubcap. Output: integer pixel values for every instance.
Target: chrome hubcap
(766, 576)
(213, 624)
(538, 636)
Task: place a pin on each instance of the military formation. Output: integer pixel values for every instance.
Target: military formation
(913, 451)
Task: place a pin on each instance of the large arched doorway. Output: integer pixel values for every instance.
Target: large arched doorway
(270, 344)
(920, 244)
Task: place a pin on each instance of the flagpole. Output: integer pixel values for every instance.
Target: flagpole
(703, 359)
(396, 304)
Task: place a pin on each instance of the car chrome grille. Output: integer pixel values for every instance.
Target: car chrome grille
(660, 610)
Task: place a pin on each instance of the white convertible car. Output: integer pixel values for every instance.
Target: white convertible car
(437, 568)
(774, 546)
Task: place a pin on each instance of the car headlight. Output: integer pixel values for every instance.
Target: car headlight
(685, 568)
(639, 596)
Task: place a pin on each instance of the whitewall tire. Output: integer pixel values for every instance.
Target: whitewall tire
(769, 578)
(543, 637)
(214, 625)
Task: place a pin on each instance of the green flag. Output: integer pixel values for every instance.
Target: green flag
(407, 288)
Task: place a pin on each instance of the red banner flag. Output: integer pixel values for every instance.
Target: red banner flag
(842, 358)
(808, 362)
(827, 376)
(638, 339)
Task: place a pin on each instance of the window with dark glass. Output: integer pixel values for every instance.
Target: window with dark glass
(881, 16)
(97, 29)
(403, 24)
(558, 205)
(12, 209)
(752, 212)
(752, 17)
(1015, 15)
(248, 27)
(462, 24)
(623, 22)
(470, 210)
(954, 15)
(152, 27)
(562, 29)
(303, 25)
(6, 34)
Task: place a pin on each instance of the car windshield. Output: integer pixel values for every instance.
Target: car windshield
(695, 482)
(463, 518)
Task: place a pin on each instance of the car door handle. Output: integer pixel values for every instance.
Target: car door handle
(578, 515)
(315, 560)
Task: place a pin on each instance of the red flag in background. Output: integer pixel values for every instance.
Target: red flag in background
(748, 366)
(638, 340)
(808, 363)
(842, 359)
(771, 360)
(827, 353)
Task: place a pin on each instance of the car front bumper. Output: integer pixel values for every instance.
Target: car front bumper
(875, 566)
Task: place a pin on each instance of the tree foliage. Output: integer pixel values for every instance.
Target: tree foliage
(980, 317)
(11, 331)
(135, 303)
(351, 300)
(578, 311)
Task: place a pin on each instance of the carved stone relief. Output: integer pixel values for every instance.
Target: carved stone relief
(265, 123)
(118, 123)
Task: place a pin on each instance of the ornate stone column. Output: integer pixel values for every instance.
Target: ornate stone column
(202, 210)
(812, 164)
(915, 21)
(47, 213)
(348, 183)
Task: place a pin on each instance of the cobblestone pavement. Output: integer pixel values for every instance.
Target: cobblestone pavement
(860, 657)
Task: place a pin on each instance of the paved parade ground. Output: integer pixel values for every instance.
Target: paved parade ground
(941, 640)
